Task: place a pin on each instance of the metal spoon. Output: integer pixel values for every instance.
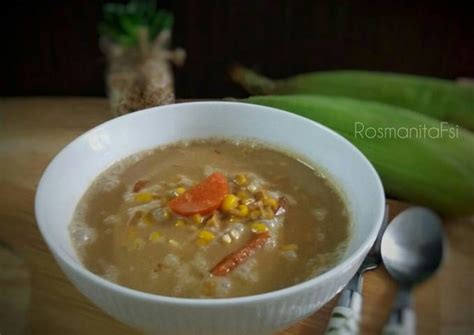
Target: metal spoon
(412, 250)
(346, 315)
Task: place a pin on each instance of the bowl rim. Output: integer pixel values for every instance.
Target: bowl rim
(103, 283)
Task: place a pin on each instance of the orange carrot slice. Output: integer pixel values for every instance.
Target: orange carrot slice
(231, 261)
(203, 198)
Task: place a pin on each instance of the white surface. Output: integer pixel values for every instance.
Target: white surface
(70, 173)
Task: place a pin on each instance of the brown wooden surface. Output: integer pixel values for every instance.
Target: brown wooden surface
(33, 130)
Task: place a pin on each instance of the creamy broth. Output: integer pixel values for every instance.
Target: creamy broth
(125, 230)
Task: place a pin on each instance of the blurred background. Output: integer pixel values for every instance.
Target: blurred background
(51, 47)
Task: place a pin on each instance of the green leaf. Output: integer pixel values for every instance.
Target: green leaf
(122, 21)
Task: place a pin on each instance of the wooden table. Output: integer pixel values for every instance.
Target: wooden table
(33, 130)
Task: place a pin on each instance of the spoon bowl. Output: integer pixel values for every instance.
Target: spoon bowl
(412, 250)
(412, 246)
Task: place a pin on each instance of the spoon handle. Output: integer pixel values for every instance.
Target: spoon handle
(402, 319)
(345, 317)
(401, 322)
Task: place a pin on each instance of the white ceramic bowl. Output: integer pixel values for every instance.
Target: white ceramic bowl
(74, 168)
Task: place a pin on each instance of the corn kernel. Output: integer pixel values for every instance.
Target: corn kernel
(229, 203)
(144, 197)
(155, 236)
(205, 237)
(272, 202)
(241, 180)
(289, 247)
(255, 214)
(268, 213)
(226, 239)
(258, 227)
(243, 195)
(180, 190)
(179, 223)
(197, 218)
(242, 211)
